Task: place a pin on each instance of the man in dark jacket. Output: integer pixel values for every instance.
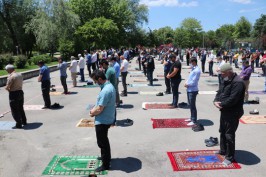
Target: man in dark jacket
(229, 100)
(150, 69)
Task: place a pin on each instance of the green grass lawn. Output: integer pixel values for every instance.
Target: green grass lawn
(3, 72)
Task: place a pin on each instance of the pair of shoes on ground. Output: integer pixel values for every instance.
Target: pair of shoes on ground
(255, 111)
(197, 127)
(212, 141)
(53, 90)
(159, 94)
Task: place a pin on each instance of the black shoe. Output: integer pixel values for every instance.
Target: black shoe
(220, 152)
(101, 168)
(17, 127)
(123, 95)
(25, 123)
(46, 107)
(167, 92)
(159, 94)
(99, 158)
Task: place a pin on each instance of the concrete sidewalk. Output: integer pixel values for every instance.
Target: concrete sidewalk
(138, 150)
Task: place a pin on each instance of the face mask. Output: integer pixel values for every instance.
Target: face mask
(226, 78)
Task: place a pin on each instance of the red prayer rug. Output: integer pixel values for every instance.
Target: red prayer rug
(198, 160)
(156, 105)
(169, 123)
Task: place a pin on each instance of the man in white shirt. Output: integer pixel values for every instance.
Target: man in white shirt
(73, 70)
(94, 60)
(221, 62)
(211, 58)
(81, 67)
(123, 69)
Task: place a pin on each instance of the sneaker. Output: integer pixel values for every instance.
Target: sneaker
(188, 120)
(159, 94)
(226, 162)
(190, 124)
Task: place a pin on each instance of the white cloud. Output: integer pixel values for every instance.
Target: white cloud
(242, 1)
(169, 3)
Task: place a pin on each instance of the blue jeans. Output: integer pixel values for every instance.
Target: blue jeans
(191, 97)
(175, 90)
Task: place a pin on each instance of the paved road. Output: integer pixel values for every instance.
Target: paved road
(138, 150)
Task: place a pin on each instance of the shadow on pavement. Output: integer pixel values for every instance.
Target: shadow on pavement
(206, 122)
(128, 165)
(32, 126)
(132, 93)
(124, 123)
(246, 157)
(126, 106)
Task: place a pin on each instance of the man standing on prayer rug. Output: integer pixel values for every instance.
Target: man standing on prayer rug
(229, 100)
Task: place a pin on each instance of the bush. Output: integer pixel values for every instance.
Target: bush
(6, 59)
(20, 61)
(45, 58)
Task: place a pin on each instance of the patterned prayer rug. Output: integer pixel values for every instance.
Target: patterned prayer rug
(169, 123)
(143, 85)
(257, 92)
(86, 123)
(207, 92)
(73, 165)
(156, 105)
(56, 93)
(33, 107)
(253, 119)
(198, 160)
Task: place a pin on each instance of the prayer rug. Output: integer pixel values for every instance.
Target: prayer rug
(160, 75)
(253, 119)
(73, 165)
(157, 105)
(143, 85)
(140, 80)
(137, 75)
(86, 123)
(169, 123)
(212, 82)
(257, 92)
(56, 93)
(198, 160)
(207, 92)
(33, 107)
(7, 125)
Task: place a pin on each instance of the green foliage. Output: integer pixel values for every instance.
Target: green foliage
(242, 28)
(66, 48)
(259, 32)
(6, 59)
(225, 35)
(99, 31)
(164, 35)
(20, 61)
(45, 58)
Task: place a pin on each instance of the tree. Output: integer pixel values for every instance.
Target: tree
(15, 13)
(225, 36)
(194, 28)
(181, 38)
(99, 32)
(242, 28)
(259, 31)
(53, 21)
(164, 35)
(210, 39)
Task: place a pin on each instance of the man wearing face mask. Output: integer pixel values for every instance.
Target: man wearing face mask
(229, 100)
(104, 112)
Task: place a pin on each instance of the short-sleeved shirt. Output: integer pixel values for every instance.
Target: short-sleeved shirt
(45, 73)
(14, 82)
(177, 65)
(63, 67)
(88, 58)
(110, 75)
(74, 65)
(117, 69)
(125, 65)
(106, 98)
(81, 63)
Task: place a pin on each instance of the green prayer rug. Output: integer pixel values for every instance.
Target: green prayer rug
(73, 165)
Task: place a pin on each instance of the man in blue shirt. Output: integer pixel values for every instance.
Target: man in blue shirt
(44, 78)
(104, 112)
(88, 61)
(62, 66)
(116, 66)
(192, 90)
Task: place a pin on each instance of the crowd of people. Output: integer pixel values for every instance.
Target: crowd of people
(105, 67)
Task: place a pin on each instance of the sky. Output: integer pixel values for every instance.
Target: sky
(211, 13)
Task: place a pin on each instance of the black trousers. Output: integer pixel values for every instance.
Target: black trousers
(46, 92)
(124, 81)
(175, 90)
(139, 64)
(89, 68)
(93, 65)
(144, 69)
(103, 143)
(211, 68)
(150, 75)
(167, 82)
(64, 84)
(228, 127)
(203, 66)
(16, 101)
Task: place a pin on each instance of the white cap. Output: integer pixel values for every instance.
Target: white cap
(109, 56)
(79, 55)
(9, 66)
